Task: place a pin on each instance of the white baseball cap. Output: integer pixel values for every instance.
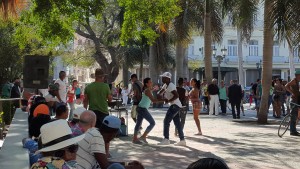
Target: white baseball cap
(77, 112)
(166, 74)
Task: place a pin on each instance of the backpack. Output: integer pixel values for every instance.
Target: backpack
(138, 95)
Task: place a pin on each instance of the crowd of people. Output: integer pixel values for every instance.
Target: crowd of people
(61, 136)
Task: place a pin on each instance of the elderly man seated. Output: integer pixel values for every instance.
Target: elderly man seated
(58, 146)
(92, 148)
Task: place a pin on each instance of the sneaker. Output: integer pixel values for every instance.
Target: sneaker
(180, 143)
(143, 140)
(137, 142)
(164, 142)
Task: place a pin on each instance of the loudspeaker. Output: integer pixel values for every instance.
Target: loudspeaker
(36, 71)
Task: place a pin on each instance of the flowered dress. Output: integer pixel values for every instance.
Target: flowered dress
(52, 163)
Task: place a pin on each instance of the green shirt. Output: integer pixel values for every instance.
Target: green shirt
(145, 102)
(6, 90)
(222, 92)
(97, 93)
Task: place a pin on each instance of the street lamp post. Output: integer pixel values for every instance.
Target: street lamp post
(258, 66)
(219, 59)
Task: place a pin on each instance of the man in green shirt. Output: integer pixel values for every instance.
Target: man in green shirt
(96, 97)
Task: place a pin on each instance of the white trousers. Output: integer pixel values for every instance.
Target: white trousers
(214, 103)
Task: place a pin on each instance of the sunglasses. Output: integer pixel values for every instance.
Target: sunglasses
(72, 148)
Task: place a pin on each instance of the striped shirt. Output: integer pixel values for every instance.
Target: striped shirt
(92, 143)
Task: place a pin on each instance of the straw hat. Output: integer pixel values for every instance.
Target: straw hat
(57, 135)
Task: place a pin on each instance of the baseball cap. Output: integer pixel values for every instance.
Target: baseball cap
(41, 109)
(297, 72)
(112, 122)
(166, 74)
(77, 112)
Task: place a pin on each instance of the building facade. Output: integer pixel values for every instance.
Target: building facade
(252, 54)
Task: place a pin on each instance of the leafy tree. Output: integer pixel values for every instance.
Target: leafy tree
(56, 22)
(150, 20)
(10, 55)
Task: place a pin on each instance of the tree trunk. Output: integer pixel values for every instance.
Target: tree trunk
(207, 42)
(266, 65)
(141, 67)
(179, 60)
(240, 59)
(153, 63)
(291, 62)
(185, 64)
(125, 71)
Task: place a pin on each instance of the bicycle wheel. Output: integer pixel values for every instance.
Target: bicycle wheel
(284, 125)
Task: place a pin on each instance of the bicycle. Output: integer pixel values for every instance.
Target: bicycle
(285, 123)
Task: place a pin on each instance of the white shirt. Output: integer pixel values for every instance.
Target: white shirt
(62, 90)
(50, 98)
(92, 143)
(169, 95)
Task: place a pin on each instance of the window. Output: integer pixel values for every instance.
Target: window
(232, 48)
(276, 48)
(192, 50)
(253, 48)
(229, 19)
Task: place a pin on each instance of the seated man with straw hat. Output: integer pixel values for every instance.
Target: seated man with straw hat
(57, 145)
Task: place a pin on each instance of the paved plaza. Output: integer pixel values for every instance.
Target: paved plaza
(241, 143)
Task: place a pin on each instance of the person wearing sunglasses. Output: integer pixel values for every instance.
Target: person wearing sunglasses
(58, 146)
(91, 152)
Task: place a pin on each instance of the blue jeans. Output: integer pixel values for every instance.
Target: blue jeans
(173, 114)
(294, 116)
(143, 113)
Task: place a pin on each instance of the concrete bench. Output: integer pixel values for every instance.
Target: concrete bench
(12, 153)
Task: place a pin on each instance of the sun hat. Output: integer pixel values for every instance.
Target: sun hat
(99, 73)
(41, 109)
(57, 135)
(77, 112)
(112, 122)
(166, 74)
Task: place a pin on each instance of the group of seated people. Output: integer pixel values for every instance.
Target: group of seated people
(56, 143)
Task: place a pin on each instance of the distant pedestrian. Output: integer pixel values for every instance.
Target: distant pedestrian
(78, 92)
(213, 95)
(62, 93)
(125, 95)
(235, 96)
(136, 92)
(143, 113)
(223, 97)
(6, 89)
(71, 97)
(204, 91)
(183, 96)
(194, 97)
(16, 92)
(279, 90)
(96, 98)
(171, 95)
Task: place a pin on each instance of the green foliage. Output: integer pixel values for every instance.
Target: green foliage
(145, 18)
(10, 54)
(195, 64)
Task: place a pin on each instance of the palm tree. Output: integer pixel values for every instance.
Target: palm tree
(11, 7)
(283, 15)
(242, 13)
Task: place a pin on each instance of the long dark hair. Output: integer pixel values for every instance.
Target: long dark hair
(145, 81)
(198, 83)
